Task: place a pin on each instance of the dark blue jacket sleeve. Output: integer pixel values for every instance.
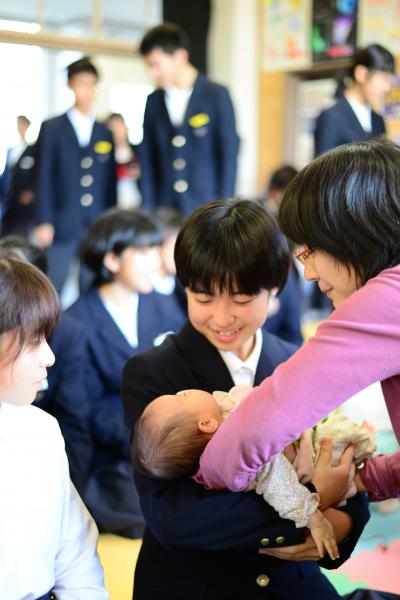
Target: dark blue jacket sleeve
(46, 173)
(66, 398)
(146, 157)
(326, 134)
(227, 145)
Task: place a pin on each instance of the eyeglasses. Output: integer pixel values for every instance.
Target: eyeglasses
(303, 254)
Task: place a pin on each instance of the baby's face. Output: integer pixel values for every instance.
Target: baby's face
(195, 402)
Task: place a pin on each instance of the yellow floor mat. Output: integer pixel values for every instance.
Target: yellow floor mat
(118, 556)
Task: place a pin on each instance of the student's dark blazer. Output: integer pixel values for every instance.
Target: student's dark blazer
(110, 492)
(19, 218)
(285, 323)
(66, 397)
(339, 125)
(203, 544)
(74, 184)
(206, 160)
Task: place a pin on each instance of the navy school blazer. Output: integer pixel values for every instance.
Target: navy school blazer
(339, 125)
(74, 184)
(66, 396)
(201, 153)
(204, 544)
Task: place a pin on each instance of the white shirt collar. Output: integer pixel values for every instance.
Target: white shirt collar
(243, 371)
(82, 124)
(363, 113)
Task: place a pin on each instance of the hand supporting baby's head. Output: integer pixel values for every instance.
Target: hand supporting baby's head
(172, 433)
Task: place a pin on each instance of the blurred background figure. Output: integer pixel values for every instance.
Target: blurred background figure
(76, 175)
(276, 186)
(189, 150)
(354, 118)
(165, 281)
(17, 184)
(121, 315)
(126, 162)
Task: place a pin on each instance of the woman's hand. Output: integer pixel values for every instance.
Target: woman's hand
(333, 483)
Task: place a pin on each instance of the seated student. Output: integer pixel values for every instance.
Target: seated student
(121, 316)
(228, 255)
(67, 403)
(174, 429)
(47, 537)
(165, 281)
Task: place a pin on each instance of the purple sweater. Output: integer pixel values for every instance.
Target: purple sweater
(358, 344)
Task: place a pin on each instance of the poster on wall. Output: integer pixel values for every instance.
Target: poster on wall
(334, 29)
(379, 23)
(286, 37)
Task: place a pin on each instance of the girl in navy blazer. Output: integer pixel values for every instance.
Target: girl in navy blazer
(122, 316)
(352, 119)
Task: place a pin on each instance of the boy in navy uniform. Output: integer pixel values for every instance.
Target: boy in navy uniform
(202, 543)
(190, 145)
(76, 173)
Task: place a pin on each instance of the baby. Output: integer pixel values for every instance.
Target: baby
(174, 429)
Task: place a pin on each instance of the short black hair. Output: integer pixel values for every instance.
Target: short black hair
(233, 245)
(281, 178)
(171, 219)
(375, 57)
(83, 65)
(168, 37)
(22, 247)
(347, 203)
(114, 231)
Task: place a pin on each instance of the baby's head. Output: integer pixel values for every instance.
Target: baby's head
(172, 433)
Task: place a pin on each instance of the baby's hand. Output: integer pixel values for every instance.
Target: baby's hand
(323, 535)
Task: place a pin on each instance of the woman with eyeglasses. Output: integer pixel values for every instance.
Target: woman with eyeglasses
(344, 209)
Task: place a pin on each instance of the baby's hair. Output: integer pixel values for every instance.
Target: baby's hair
(29, 304)
(171, 451)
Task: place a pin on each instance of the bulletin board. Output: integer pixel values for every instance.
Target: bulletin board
(379, 23)
(286, 34)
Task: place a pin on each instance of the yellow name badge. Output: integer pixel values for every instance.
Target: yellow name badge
(103, 147)
(199, 120)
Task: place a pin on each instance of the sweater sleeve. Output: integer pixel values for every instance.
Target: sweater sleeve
(381, 476)
(359, 344)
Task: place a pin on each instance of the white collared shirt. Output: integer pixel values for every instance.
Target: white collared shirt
(176, 101)
(82, 124)
(243, 371)
(47, 537)
(125, 318)
(363, 113)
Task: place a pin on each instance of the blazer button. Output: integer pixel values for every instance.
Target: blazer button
(262, 580)
(86, 162)
(280, 539)
(86, 180)
(181, 186)
(264, 541)
(86, 200)
(178, 141)
(179, 164)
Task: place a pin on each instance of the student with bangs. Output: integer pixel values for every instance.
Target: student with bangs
(47, 537)
(229, 255)
(121, 315)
